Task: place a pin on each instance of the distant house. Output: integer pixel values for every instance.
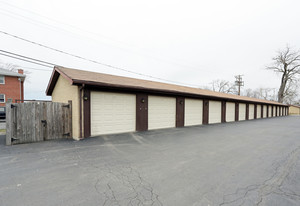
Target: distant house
(11, 88)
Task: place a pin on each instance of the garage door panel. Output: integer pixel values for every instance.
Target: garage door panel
(193, 112)
(112, 113)
(230, 112)
(242, 111)
(215, 110)
(258, 111)
(251, 111)
(265, 111)
(161, 112)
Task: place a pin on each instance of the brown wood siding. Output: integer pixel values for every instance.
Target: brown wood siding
(141, 112)
(180, 112)
(236, 111)
(247, 111)
(223, 117)
(255, 111)
(87, 113)
(205, 111)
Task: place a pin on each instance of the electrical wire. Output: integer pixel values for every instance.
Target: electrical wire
(90, 60)
(45, 70)
(93, 33)
(11, 53)
(25, 60)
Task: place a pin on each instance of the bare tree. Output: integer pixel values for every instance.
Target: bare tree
(223, 86)
(291, 94)
(286, 62)
(261, 93)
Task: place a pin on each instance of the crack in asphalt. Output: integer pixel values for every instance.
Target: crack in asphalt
(134, 191)
(267, 187)
(121, 184)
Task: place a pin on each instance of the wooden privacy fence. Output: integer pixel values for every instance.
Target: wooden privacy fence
(37, 121)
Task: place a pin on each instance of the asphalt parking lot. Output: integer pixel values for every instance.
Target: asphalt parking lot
(246, 163)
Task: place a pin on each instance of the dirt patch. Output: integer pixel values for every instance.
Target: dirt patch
(2, 131)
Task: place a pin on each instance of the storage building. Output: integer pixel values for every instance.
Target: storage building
(294, 110)
(106, 104)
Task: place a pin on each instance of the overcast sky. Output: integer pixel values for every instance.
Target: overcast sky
(191, 42)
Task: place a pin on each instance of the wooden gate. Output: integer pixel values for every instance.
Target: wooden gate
(38, 121)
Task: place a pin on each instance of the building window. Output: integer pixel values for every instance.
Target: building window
(2, 80)
(2, 112)
(2, 98)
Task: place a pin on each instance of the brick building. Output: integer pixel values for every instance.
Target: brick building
(11, 88)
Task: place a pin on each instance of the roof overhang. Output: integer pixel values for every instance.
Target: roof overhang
(53, 79)
(93, 85)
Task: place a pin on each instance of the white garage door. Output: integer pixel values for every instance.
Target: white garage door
(230, 112)
(277, 111)
(242, 112)
(274, 111)
(258, 111)
(193, 112)
(270, 111)
(265, 111)
(251, 111)
(161, 112)
(112, 113)
(214, 115)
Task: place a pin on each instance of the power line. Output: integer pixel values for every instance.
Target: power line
(94, 33)
(25, 60)
(90, 60)
(11, 53)
(45, 70)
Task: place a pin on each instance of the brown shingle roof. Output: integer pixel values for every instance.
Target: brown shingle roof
(105, 80)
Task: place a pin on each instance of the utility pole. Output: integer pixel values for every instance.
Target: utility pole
(239, 82)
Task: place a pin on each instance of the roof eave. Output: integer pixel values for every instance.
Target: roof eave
(53, 79)
(161, 91)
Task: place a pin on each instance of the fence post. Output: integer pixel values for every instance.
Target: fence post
(8, 123)
(70, 119)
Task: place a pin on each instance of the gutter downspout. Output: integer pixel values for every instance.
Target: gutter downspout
(80, 110)
(20, 89)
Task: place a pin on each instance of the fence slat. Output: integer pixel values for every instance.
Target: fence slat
(9, 125)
